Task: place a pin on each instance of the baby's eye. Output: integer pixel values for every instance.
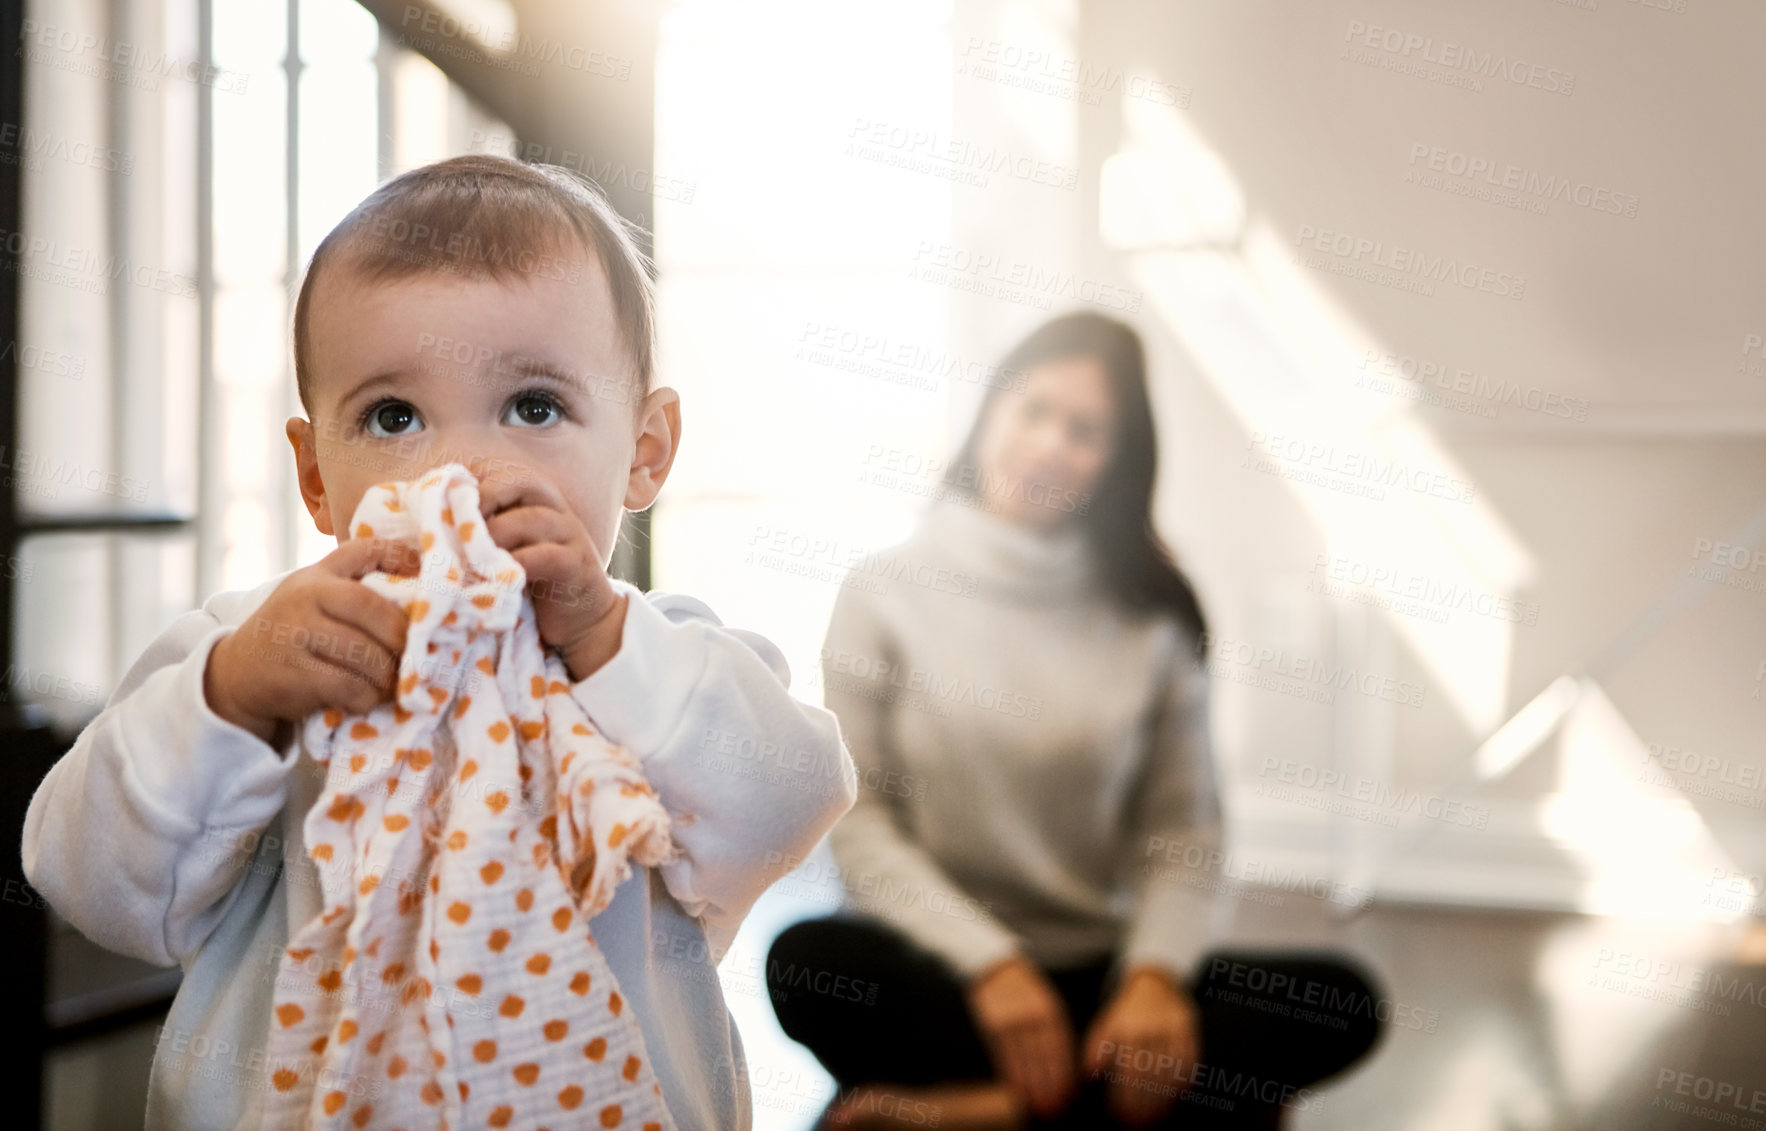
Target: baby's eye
(388, 418)
(535, 408)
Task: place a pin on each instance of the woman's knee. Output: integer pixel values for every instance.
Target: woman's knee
(1361, 1002)
(822, 943)
(870, 1004)
(1329, 1008)
(797, 947)
(797, 942)
(806, 951)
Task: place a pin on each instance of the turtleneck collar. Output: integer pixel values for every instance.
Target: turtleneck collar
(1008, 558)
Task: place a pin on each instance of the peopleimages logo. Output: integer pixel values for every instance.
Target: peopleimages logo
(1531, 182)
(1012, 279)
(928, 151)
(1458, 57)
(1413, 593)
(1752, 366)
(1403, 261)
(1377, 364)
(1369, 467)
(1326, 673)
(959, 690)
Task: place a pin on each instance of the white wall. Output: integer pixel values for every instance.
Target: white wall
(1634, 324)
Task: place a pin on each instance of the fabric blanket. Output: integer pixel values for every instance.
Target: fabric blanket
(468, 830)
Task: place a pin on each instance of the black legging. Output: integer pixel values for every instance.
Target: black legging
(877, 1009)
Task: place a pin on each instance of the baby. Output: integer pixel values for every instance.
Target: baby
(497, 315)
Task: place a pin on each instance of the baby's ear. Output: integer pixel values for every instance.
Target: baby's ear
(658, 439)
(306, 473)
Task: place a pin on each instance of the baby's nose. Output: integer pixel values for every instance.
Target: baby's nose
(497, 470)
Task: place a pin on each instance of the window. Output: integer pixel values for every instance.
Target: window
(778, 293)
(170, 211)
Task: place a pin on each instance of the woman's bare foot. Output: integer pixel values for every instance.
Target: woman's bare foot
(1752, 951)
(961, 1107)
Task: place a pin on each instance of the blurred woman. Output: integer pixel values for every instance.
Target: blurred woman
(1033, 855)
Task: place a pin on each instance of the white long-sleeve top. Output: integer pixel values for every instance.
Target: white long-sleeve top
(1028, 753)
(172, 835)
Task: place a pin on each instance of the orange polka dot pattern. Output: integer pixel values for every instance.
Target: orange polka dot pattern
(467, 832)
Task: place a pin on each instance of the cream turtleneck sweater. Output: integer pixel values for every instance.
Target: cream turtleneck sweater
(1027, 752)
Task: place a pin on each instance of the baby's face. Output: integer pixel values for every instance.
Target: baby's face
(512, 378)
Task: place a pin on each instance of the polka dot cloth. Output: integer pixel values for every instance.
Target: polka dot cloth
(467, 832)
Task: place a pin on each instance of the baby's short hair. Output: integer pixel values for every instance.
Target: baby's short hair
(485, 216)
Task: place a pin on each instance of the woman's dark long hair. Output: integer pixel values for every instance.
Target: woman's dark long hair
(1136, 566)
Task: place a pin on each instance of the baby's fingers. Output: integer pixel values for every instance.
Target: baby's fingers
(354, 606)
(354, 672)
(359, 557)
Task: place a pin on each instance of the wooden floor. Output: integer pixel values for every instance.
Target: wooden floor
(1543, 1022)
(1566, 1023)
(1539, 1022)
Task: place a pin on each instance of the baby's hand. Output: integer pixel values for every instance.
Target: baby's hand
(576, 608)
(322, 639)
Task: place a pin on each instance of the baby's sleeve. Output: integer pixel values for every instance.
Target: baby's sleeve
(135, 835)
(752, 777)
